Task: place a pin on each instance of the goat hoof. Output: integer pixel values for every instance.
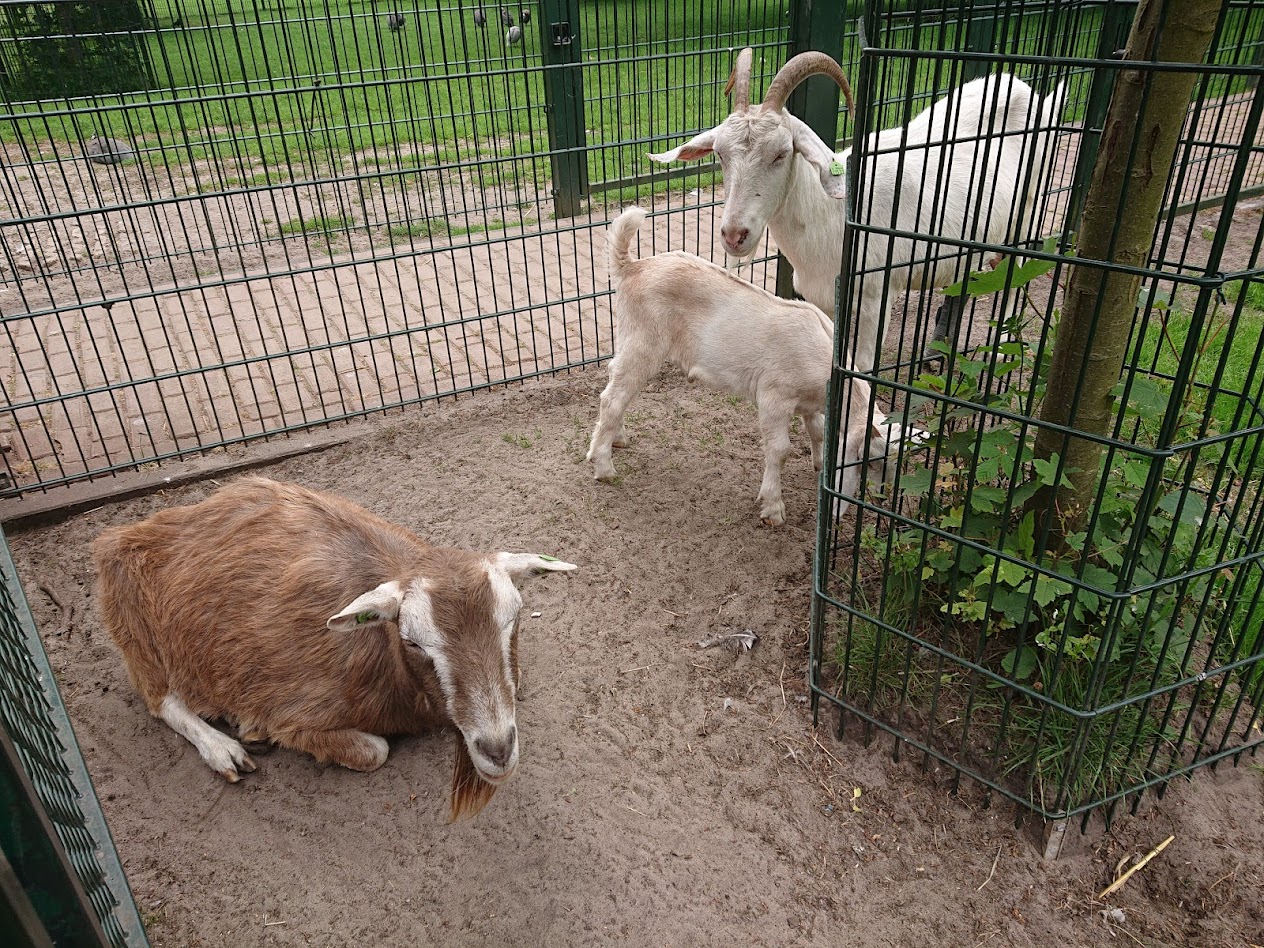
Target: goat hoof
(606, 473)
(774, 517)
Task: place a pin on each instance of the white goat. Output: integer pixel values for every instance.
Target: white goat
(967, 168)
(309, 622)
(732, 336)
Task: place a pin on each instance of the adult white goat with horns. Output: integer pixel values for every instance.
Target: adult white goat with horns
(963, 169)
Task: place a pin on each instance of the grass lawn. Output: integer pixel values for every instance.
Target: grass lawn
(290, 90)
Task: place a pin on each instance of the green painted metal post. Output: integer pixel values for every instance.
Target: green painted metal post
(980, 38)
(1116, 21)
(564, 96)
(814, 24)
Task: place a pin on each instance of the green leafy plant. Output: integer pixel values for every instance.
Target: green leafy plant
(1114, 618)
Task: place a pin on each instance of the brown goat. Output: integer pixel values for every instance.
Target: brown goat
(305, 620)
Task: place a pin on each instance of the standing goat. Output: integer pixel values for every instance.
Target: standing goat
(307, 621)
(964, 169)
(732, 336)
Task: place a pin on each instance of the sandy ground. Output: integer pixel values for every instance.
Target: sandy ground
(668, 795)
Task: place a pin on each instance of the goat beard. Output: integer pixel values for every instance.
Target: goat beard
(470, 792)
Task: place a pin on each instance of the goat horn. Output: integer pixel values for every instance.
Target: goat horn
(739, 80)
(799, 68)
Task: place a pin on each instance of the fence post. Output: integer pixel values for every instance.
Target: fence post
(1116, 22)
(814, 24)
(980, 38)
(564, 104)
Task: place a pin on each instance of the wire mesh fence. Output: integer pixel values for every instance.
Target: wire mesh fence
(35, 720)
(315, 210)
(231, 221)
(1063, 670)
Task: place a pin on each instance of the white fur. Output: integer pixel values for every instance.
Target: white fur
(729, 335)
(970, 167)
(221, 753)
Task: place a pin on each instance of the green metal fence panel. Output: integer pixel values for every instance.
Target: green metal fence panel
(35, 720)
(1068, 675)
(323, 209)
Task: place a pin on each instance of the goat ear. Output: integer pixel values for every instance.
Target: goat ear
(376, 605)
(521, 566)
(697, 147)
(808, 144)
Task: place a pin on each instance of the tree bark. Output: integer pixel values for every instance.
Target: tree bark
(1125, 195)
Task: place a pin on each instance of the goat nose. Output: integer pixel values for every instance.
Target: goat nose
(734, 237)
(499, 752)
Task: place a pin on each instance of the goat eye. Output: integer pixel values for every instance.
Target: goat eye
(780, 158)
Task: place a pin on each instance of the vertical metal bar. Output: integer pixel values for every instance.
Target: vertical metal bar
(564, 104)
(1116, 22)
(814, 25)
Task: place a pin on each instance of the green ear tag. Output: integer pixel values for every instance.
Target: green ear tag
(836, 168)
(363, 617)
(547, 558)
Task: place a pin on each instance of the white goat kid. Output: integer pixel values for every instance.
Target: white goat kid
(729, 335)
(964, 169)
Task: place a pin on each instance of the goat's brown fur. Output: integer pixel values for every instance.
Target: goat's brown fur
(224, 604)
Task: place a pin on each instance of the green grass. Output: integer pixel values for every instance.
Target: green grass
(298, 87)
(426, 227)
(317, 225)
(1228, 347)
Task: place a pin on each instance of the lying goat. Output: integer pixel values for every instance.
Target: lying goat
(732, 336)
(308, 621)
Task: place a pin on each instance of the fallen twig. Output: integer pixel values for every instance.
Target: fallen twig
(993, 872)
(1140, 864)
(68, 612)
(639, 668)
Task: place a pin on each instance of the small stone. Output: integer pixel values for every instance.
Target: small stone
(108, 151)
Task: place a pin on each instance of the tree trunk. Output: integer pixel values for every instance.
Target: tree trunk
(1147, 112)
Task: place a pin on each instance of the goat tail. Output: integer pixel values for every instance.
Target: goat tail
(619, 242)
(470, 792)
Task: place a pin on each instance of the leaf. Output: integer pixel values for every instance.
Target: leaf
(1146, 396)
(1189, 512)
(916, 483)
(1011, 573)
(1023, 493)
(986, 498)
(1049, 588)
(1102, 579)
(1025, 535)
(1013, 604)
(1047, 472)
(1019, 663)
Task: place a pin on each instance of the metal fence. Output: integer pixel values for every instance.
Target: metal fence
(34, 725)
(1065, 672)
(225, 222)
(314, 209)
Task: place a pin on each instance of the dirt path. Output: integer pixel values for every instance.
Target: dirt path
(668, 795)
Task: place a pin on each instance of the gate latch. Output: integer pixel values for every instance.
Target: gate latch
(561, 33)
